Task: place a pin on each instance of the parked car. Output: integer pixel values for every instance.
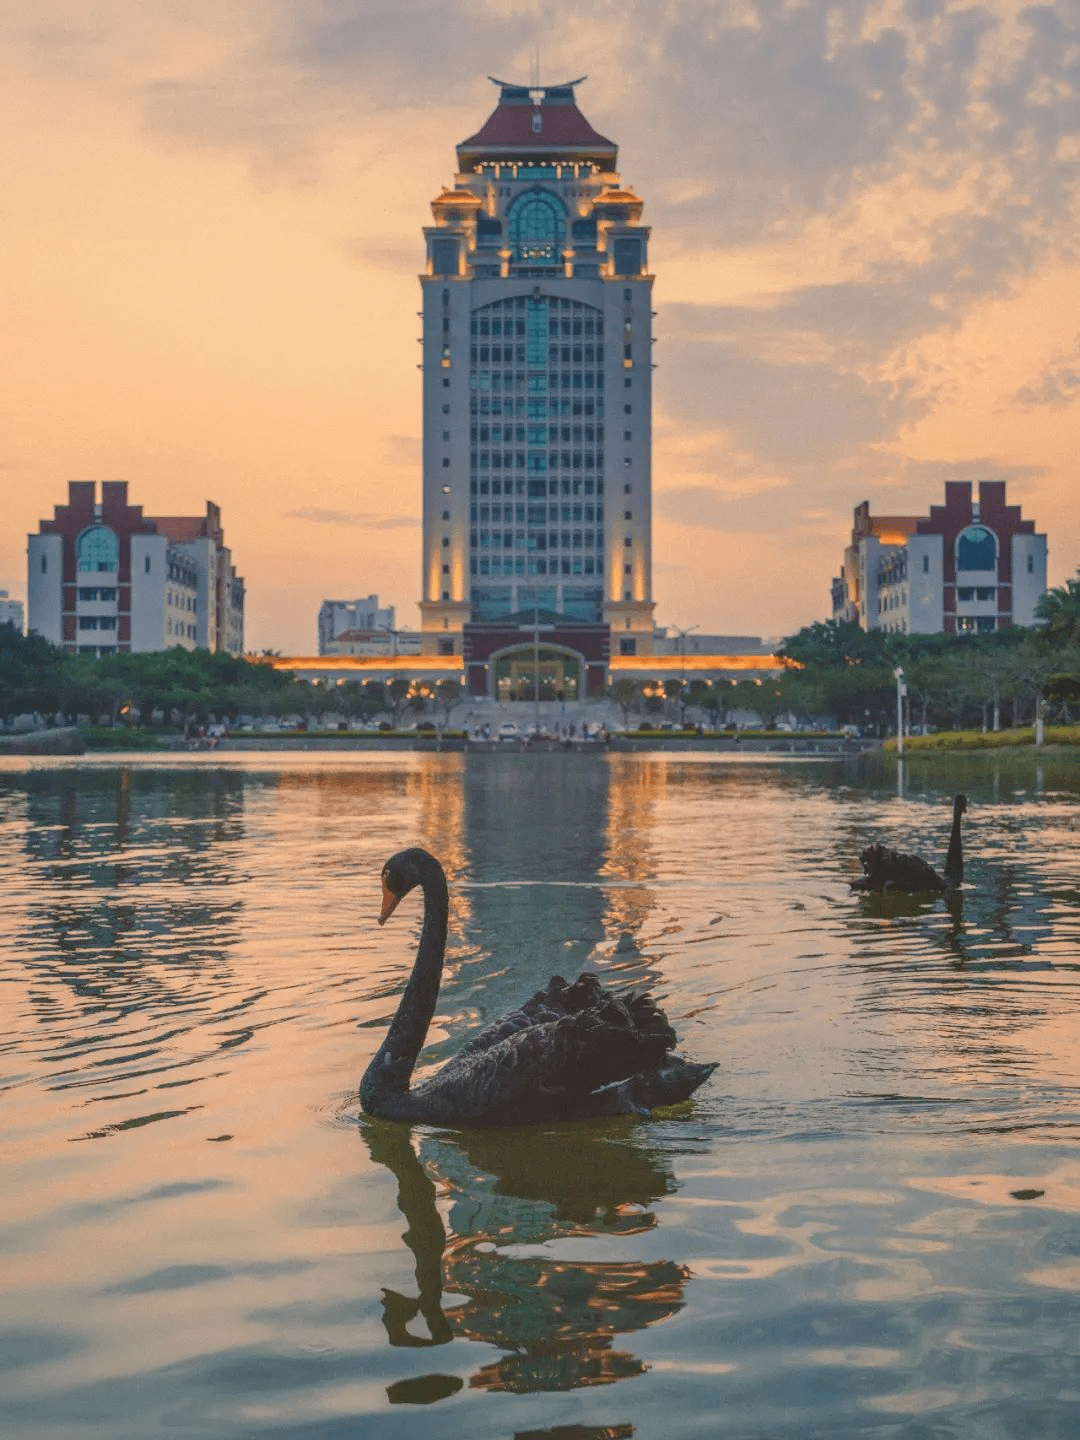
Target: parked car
(507, 730)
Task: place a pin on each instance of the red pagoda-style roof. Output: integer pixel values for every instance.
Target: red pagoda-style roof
(538, 122)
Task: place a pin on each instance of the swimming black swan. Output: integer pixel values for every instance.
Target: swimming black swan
(571, 1052)
(887, 871)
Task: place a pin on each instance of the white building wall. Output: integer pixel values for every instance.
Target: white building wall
(337, 616)
(926, 584)
(203, 553)
(445, 452)
(45, 586)
(1029, 576)
(149, 580)
(869, 555)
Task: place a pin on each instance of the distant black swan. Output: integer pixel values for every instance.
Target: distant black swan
(571, 1052)
(886, 871)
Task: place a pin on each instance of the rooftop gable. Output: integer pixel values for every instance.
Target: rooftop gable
(536, 121)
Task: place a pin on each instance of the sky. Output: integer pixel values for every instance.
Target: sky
(864, 235)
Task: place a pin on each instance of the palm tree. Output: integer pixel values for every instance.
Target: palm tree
(1059, 611)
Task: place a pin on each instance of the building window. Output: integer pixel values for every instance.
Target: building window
(926, 564)
(446, 462)
(1031, 565)
(45, 564)
(628, 570)
(535, 228)
(446, 594)
(444, 258)
(446, 569)
(446, 542)
(98, 549)
(146, 565)
(446, 647)
(976, 549)
(627, 646)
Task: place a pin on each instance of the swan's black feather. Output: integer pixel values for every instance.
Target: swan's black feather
(559, 998)
(885, 870)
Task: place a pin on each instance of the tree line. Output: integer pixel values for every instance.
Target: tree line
(833, 672)
(836, 672)
(185, 688)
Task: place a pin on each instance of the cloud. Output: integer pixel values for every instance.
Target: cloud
(403, 450)
(1057, 387)
(318, 516)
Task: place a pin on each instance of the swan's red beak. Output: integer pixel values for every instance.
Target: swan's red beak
(389, 903)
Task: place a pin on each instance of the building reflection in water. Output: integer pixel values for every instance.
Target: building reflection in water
(506, 1194)
(130, 879)
(630, 861)
(547, 861)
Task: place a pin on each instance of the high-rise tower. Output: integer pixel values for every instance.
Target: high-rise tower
(537, 381)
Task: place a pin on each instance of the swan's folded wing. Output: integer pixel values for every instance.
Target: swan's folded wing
(548, 1069)
(559, 999)
(896, 870)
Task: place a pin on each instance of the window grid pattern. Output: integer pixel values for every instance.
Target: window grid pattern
(536, 441)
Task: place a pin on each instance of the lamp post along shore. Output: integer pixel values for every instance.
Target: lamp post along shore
(901, 691)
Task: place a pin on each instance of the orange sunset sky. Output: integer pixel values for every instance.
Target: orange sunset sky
(865, 224)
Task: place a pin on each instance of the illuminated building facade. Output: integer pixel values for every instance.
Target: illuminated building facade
(970, 566)
(537, 339)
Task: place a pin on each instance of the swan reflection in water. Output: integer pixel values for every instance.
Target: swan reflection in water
(556, 1319)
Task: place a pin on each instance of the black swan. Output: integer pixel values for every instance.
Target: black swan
(571, 1052)
(887, 871)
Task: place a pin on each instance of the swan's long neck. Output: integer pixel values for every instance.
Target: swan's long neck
(391, 1068)
(954, 860)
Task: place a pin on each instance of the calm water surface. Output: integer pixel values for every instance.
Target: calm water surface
(867, 1223)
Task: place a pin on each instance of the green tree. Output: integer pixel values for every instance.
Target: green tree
(675, 691)
(448, 693)
(398, 688)
(626, 692)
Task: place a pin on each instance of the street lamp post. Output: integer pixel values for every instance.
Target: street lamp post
(901, 691)
(536, 627)
(682, 631)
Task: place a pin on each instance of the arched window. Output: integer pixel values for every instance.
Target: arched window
(98, 549)
(537, 224)
(976, 549)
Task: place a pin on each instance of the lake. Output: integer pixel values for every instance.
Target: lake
(866, 1223)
